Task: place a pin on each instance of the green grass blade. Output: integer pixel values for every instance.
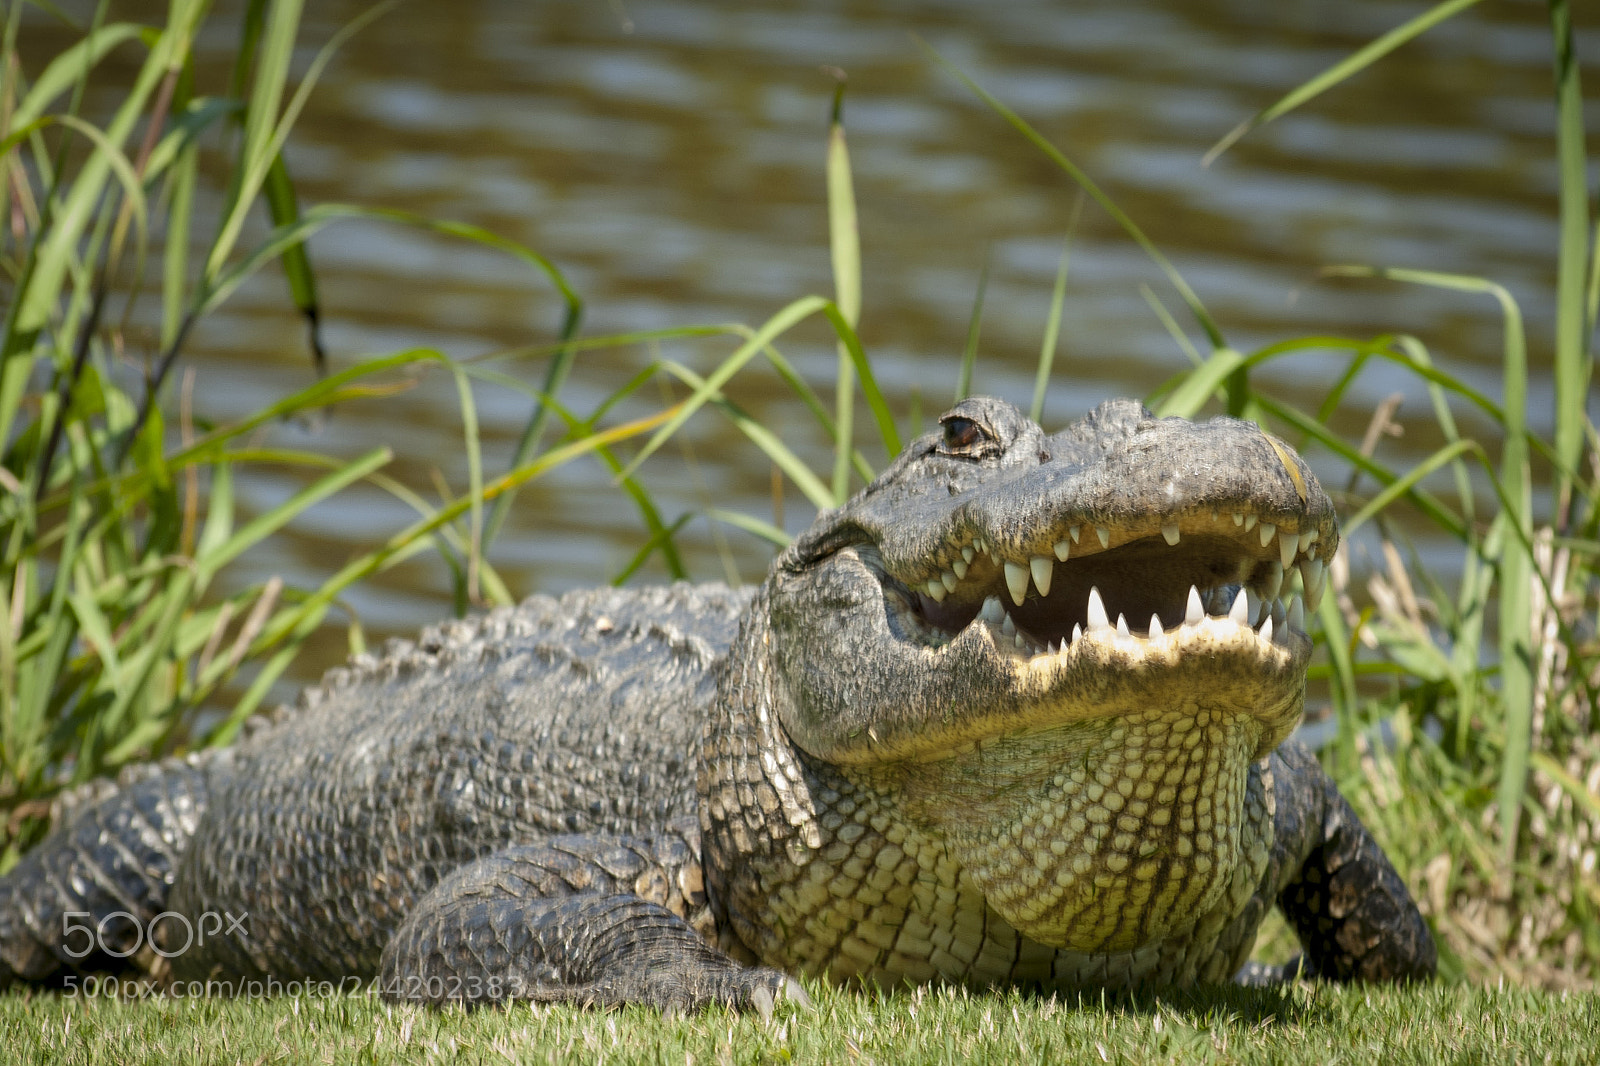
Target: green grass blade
(1591, 302)
(75, 62)
(1436, 511)
(175, 254)
(661, 539)
(269, 522)
(533, 433)
(774, 327)
(844, 236)
(844, 242)
(1571, 371)
(59, 246)
(808, 483)
(256, 150)
(284, 207)
(781, 365)
(470, 440)
(219, 510)
(1187, 399)
(754, 526)
(265, 132)
(1402, 486)
(1052, 326)
(1088, 185)
(96, 630)
(1515, 557)
(969, 349)
(660, 534)
(121, 167)
(1571, 785)
(193, 120)
(1353, 64)
(869, 381)
(322, 215)
(1170, 324)
(808, 396)
(1418, 354)
(251, 21)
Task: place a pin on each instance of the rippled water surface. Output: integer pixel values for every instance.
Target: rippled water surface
(668, 156)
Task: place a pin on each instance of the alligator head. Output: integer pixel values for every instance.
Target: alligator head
(1059, 654)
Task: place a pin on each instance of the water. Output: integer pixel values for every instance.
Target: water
(668, 156)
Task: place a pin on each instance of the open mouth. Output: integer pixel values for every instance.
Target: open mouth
(1237, 566)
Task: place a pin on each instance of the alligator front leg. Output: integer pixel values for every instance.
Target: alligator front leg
(1336, 888)
(586, 920)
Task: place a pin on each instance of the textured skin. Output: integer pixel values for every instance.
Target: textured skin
(678, 796)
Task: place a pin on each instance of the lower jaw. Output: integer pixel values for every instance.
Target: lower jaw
(1127, 844)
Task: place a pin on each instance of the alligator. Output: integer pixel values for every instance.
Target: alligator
(1018, 713)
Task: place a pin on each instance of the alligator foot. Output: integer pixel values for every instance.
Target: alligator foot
(568, 922)
(1346, 902)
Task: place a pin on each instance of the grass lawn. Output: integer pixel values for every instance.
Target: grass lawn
(1319, 1024)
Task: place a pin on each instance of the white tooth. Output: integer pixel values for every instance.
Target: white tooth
(1052, 647)
(1249, 522)
(949, 579)
(1063, 549)
(1214, 514)
(1279, 615)
(936, 589)
(1077, 631)
(1288, 544)
(1266, 630)
(1268, 530)
(1238, 614)
(1311, 574)
(1170, 531)
(1017, 582)
(1194, 612)
(1073, 532)
(1307, 539)
(1104, 534)
(1008, 627)
(1156, 632)
(1252, 606)
(1122, 626)
(994, 557)
(968, 553)
(1022, 645)
(959, 566)
(1238, 518)
(1297, 615)
(979, 544)
(1097, 611)
(1042, 569)
(1274, 583)
(992, 611)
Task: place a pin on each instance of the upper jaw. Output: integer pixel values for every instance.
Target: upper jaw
(1233, 564)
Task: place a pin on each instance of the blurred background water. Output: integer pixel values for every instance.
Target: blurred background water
(668, 156)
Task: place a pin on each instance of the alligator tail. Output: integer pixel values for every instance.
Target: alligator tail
(92, 893)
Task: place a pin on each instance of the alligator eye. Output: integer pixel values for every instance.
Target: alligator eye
(963, 435)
